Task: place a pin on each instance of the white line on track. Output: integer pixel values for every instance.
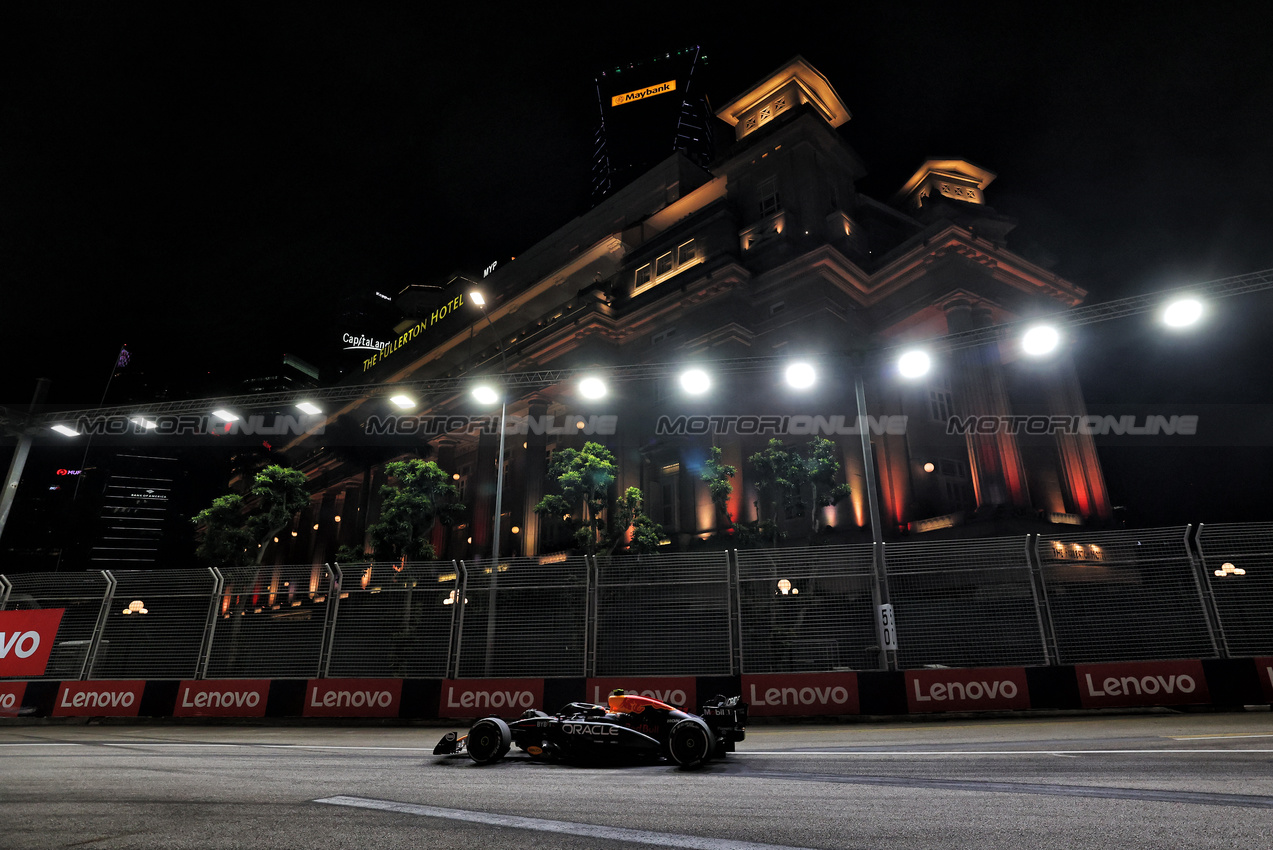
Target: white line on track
(587, 830)
(1207, 737)
(791, 753)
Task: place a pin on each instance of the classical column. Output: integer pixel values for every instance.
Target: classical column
(998, 473)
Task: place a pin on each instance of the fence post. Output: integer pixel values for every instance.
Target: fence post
(590, 591)
(879, 597)
(1046, 636)
(457, 606)
(335, 582)
(459, 625)
(210, 625)
(5, 587)
(91, 655)
(1210, 611)
(1042, 603)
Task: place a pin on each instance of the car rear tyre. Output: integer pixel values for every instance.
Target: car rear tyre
(690, 743)
(489, 740)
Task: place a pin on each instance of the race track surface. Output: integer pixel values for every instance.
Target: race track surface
(1132, 781)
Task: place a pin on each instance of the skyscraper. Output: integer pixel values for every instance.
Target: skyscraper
(648, 110)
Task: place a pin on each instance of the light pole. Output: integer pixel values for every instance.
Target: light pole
(486, 396)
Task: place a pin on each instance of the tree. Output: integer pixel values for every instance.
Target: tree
(583, 476)
(628, 514)
(419, 496)
(281, 492)
(820, 468)
(232, 524)
(716, 475)
(226, 538)
(779, 475)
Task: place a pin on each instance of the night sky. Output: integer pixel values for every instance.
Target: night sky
(211, 183)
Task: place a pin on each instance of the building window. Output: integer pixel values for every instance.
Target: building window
(672, 263)
(941, 404)
(769, 201)
(664, 265)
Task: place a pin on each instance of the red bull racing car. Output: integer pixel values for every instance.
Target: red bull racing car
(630, 728)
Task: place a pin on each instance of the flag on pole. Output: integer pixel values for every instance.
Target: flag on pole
(123, 357)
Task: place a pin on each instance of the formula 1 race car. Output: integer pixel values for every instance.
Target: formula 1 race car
(632, 728)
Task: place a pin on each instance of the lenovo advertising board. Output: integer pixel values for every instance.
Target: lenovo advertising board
(1142, 683)
(1264, 669)
(99, 699)
(222, 698)
(11, 694)
(679, 691)
(26, 639)
(482, 697)
(352, 698)
(797, 694)
(978, 689)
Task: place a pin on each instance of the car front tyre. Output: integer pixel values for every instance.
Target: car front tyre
(690, 743)
(489, 740)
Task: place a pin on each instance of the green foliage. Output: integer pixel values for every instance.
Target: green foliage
(226, 540)
(716, 475)
(418, 497)
(583, 477)
(820, 467)
(238, 531)
(784, 477)
(628, 514)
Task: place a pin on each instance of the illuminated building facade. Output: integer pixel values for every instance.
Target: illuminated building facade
(770, 252)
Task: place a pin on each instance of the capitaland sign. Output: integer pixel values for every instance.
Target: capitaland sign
(99, 699)
(473, 697)
(680, 691)
(982, 689)
(222, 698)
(1141, 683)
(414, 332)
(359, 342)
(26, 639)
(797, 694)
(642, 94)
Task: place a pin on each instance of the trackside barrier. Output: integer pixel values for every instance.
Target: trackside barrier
(1179, 683)
(1062, 598)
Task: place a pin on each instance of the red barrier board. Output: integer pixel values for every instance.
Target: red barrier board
(1264, 669)
(1142, 683)
(11, 694)
(482, 697)
(797, 694)
(26, 639)
(977, 689)
(352, 698)
(680, 691)
(222, 698)
(99, 699)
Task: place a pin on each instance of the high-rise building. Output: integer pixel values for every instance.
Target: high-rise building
(648, 110)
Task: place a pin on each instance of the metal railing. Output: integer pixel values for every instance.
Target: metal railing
(1062, 598)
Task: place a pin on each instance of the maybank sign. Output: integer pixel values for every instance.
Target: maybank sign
(642, 94)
